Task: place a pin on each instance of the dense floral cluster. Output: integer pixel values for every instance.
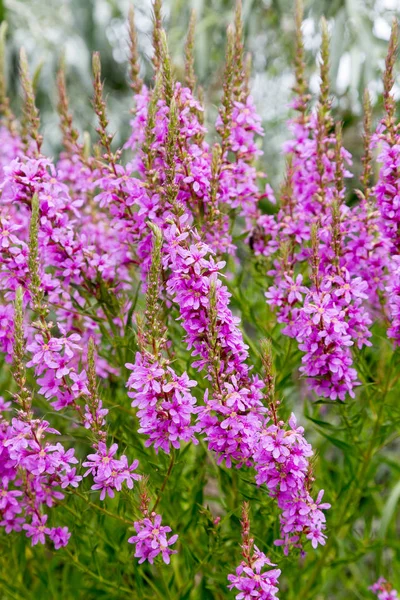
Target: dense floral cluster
(326, 308)
(33, 473)
(384, 590)
(164, 401)
(329, 320)
(151, 539)
(232, 414)
(387, 190)
(110, 473)
(252, 582)
(282, 463)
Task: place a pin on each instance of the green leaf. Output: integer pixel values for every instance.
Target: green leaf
(389, 510)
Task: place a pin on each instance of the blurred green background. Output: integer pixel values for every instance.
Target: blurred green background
(47, 28)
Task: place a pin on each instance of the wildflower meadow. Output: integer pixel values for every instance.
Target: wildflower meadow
(199, 384)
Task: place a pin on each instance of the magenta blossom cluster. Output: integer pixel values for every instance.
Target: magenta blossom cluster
(232, 414)
(384, 590)
(237, 185)
(108, 472)
(306, 204)
(164, 401)
(33, 473)
(133, 201)
(282, 464)
(387, 193)
(253, 581)
(76, 248)
(151, 539)
(365, 249)
(236, 188)
(53, 359)
(387, 189)
(326, 322)
(327, 311)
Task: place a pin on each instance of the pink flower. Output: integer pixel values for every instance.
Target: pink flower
(151, 539)
(37, 529)
(59, 536)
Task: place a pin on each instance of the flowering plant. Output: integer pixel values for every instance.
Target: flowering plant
(167, 324)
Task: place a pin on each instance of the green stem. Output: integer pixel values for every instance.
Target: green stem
(164, 483)
(105, 582)
(151, 584)
(101, 509)
(10, 593)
